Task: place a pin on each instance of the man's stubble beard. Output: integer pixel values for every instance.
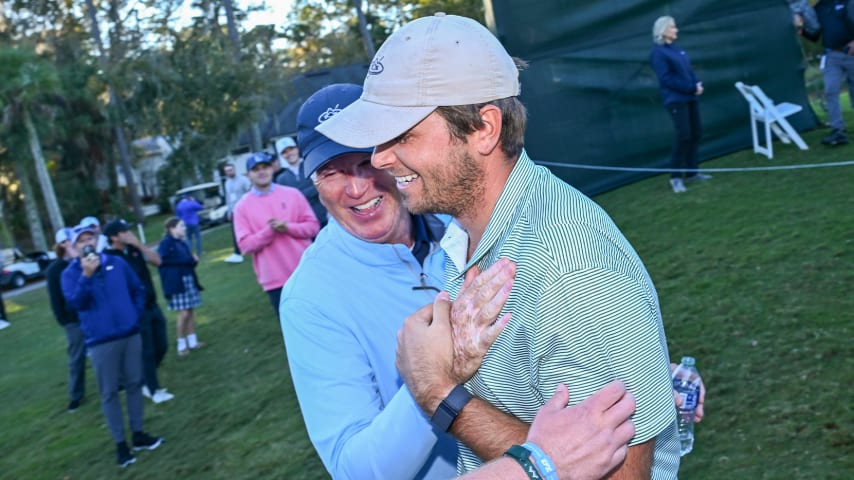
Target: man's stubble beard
(456, 189)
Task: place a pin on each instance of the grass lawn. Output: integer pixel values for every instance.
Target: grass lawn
(752, 268)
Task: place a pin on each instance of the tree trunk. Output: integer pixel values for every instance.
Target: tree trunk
(6, 239)
(255, 139)
(124, 153)
(31, 208)
(52, 206)
(363, 28)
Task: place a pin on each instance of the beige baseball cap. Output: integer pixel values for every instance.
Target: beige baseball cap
(443, 60)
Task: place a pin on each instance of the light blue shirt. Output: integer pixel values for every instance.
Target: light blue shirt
(340, 313)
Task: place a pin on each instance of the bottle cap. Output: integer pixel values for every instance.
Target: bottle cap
(688, 361)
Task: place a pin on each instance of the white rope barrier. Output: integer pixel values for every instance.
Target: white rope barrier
(670, 170)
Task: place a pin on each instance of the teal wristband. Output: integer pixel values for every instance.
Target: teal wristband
(523, 456)
(542, 461)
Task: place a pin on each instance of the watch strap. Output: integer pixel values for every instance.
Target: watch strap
(450, 407)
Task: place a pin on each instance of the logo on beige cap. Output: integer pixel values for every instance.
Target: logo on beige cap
(376, 67)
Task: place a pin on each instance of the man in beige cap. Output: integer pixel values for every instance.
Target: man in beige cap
(440, 103)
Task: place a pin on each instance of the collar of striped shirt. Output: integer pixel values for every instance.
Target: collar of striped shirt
(455, 241)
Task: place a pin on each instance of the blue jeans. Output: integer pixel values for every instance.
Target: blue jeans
(838, 67)
(194, 231)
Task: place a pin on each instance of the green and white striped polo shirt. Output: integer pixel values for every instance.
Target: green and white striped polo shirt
(585, 311)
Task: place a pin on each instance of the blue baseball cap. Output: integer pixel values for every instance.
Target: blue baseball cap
(316, 148)
(258, 157)
(90, 221)
(80, 230)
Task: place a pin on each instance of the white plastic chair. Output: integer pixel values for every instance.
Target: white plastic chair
(773, 116)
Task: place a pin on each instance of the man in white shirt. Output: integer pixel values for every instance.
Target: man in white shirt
(235, 187)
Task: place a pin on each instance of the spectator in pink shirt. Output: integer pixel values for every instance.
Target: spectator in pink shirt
(274, 224)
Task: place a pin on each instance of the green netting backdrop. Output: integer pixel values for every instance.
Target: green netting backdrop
(593, 97)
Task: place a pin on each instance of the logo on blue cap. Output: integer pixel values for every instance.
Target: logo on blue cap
(329, 113)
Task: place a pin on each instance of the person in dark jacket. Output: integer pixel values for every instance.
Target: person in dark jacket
(67, 318)
(109, 299)
(152, 324)
(179, 282)
(835, 27)
(680, 90)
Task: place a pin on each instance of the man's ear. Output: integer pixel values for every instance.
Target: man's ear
(487, 137)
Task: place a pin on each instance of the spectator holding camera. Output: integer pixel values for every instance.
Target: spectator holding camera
(109, 299)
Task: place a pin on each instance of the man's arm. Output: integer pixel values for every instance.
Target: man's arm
(805, 19)
(304, 223)
(668, 77)
(357, 433)
(151, 256)
(77, 287)
(427, 359)
(249, 240)
(443, 344)
(555, 432)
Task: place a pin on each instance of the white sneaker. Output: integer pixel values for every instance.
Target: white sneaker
(161, 395)
(146, 392)
(234, 258)
(677, 185)
(4, 324)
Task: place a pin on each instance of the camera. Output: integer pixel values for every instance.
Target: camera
(88, 250)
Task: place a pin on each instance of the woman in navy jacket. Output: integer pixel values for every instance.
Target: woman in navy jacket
(680, 90)
(180, 284)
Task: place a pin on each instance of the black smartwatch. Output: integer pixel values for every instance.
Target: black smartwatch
(450, 408)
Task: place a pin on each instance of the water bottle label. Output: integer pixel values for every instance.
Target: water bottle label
(689, 400)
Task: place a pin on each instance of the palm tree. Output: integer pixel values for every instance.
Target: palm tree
(28, 81)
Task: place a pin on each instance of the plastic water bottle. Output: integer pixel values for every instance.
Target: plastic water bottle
(686, 382)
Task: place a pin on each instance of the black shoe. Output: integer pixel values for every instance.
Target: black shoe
(123, 455)
(836, 137)
(73, 406)
(144, 441)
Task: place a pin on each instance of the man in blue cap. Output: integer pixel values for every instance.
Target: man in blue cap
(95, 224)
(371, 266)
(109, 298)
(274, 224)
